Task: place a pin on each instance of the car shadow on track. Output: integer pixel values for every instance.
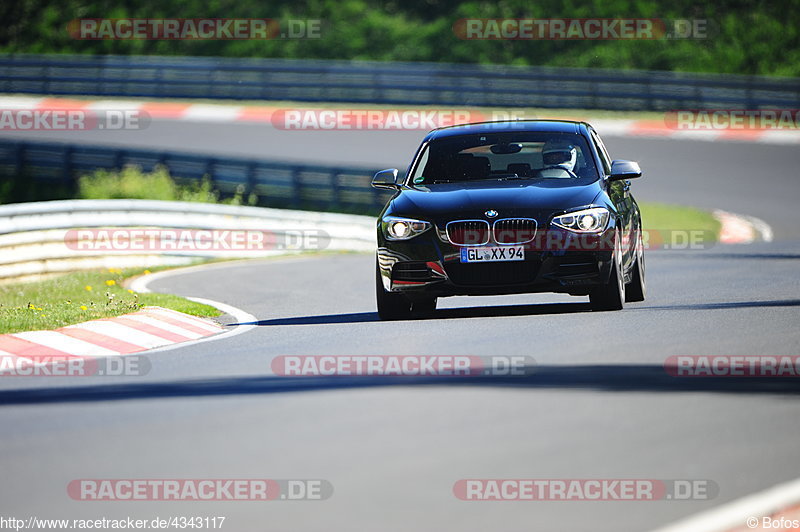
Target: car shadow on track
(727, 305)
(541, 309)
(621, 378)
(440, 314)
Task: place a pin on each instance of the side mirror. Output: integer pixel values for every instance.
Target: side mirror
(621, 170)
(385, 179)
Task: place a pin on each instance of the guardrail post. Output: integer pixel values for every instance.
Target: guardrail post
(296, 186)
(748, 92)
(160, 82)
(209, 169)
(335, 189)
(67, 176)
(251, 180)
(19, 159)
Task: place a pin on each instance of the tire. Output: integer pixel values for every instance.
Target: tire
(636, 290)
(610, 296)
(390, 306)
(424, 306)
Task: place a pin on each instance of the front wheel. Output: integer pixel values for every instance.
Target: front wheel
(391, 306)
(610, 296)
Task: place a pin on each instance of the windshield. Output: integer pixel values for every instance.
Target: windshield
(518, 155)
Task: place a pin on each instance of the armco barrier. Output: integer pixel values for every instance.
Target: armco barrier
(390, 83)
(33, 236)
(313, 187)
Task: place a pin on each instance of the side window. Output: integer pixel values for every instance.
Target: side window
(601, 149)
(421, 165)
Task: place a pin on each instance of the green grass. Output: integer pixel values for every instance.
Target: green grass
(78, 297)
(675, 226)
(675, 217)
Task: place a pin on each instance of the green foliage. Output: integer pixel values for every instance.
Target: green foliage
(132, 183)
(748, 37)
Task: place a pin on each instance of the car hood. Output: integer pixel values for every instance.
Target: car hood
(510, 198)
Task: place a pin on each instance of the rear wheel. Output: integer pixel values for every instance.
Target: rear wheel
(610, 296)
(391, 306)
(636, 290)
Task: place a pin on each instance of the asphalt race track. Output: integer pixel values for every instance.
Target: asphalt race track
(599, 404)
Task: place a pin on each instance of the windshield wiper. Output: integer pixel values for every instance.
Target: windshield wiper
(498, 177)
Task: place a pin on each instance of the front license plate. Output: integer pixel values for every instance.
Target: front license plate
(493, 254)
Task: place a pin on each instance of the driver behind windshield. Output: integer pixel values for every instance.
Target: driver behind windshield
(558, 155)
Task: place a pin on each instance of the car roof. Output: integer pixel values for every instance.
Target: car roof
(533, 126)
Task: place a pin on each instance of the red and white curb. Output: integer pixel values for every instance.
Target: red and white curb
(149, 328)
(776, 509)
(740, 229)
(222, 113)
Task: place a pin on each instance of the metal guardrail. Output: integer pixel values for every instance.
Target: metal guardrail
(390, 83)
(37, 238)
(312, 187)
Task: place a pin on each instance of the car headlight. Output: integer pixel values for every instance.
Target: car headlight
(403, 228)
(593, 220)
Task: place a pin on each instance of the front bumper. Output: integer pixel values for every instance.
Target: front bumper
(557, 261)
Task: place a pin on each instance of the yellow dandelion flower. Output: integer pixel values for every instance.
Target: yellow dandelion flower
(131, 291)
(39, 308)
(147, 272)
(84, 307)
(44, 315)
(88, 288)
(111, 282)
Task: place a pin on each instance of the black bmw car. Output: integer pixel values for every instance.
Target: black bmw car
(508, 208)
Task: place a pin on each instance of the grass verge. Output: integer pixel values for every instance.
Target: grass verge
(78, 297)
(677, 227)
(663, 217)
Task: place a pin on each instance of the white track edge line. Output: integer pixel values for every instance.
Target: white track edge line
(246, 322)
(762, 227)
(245, 319)
(735, 513)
